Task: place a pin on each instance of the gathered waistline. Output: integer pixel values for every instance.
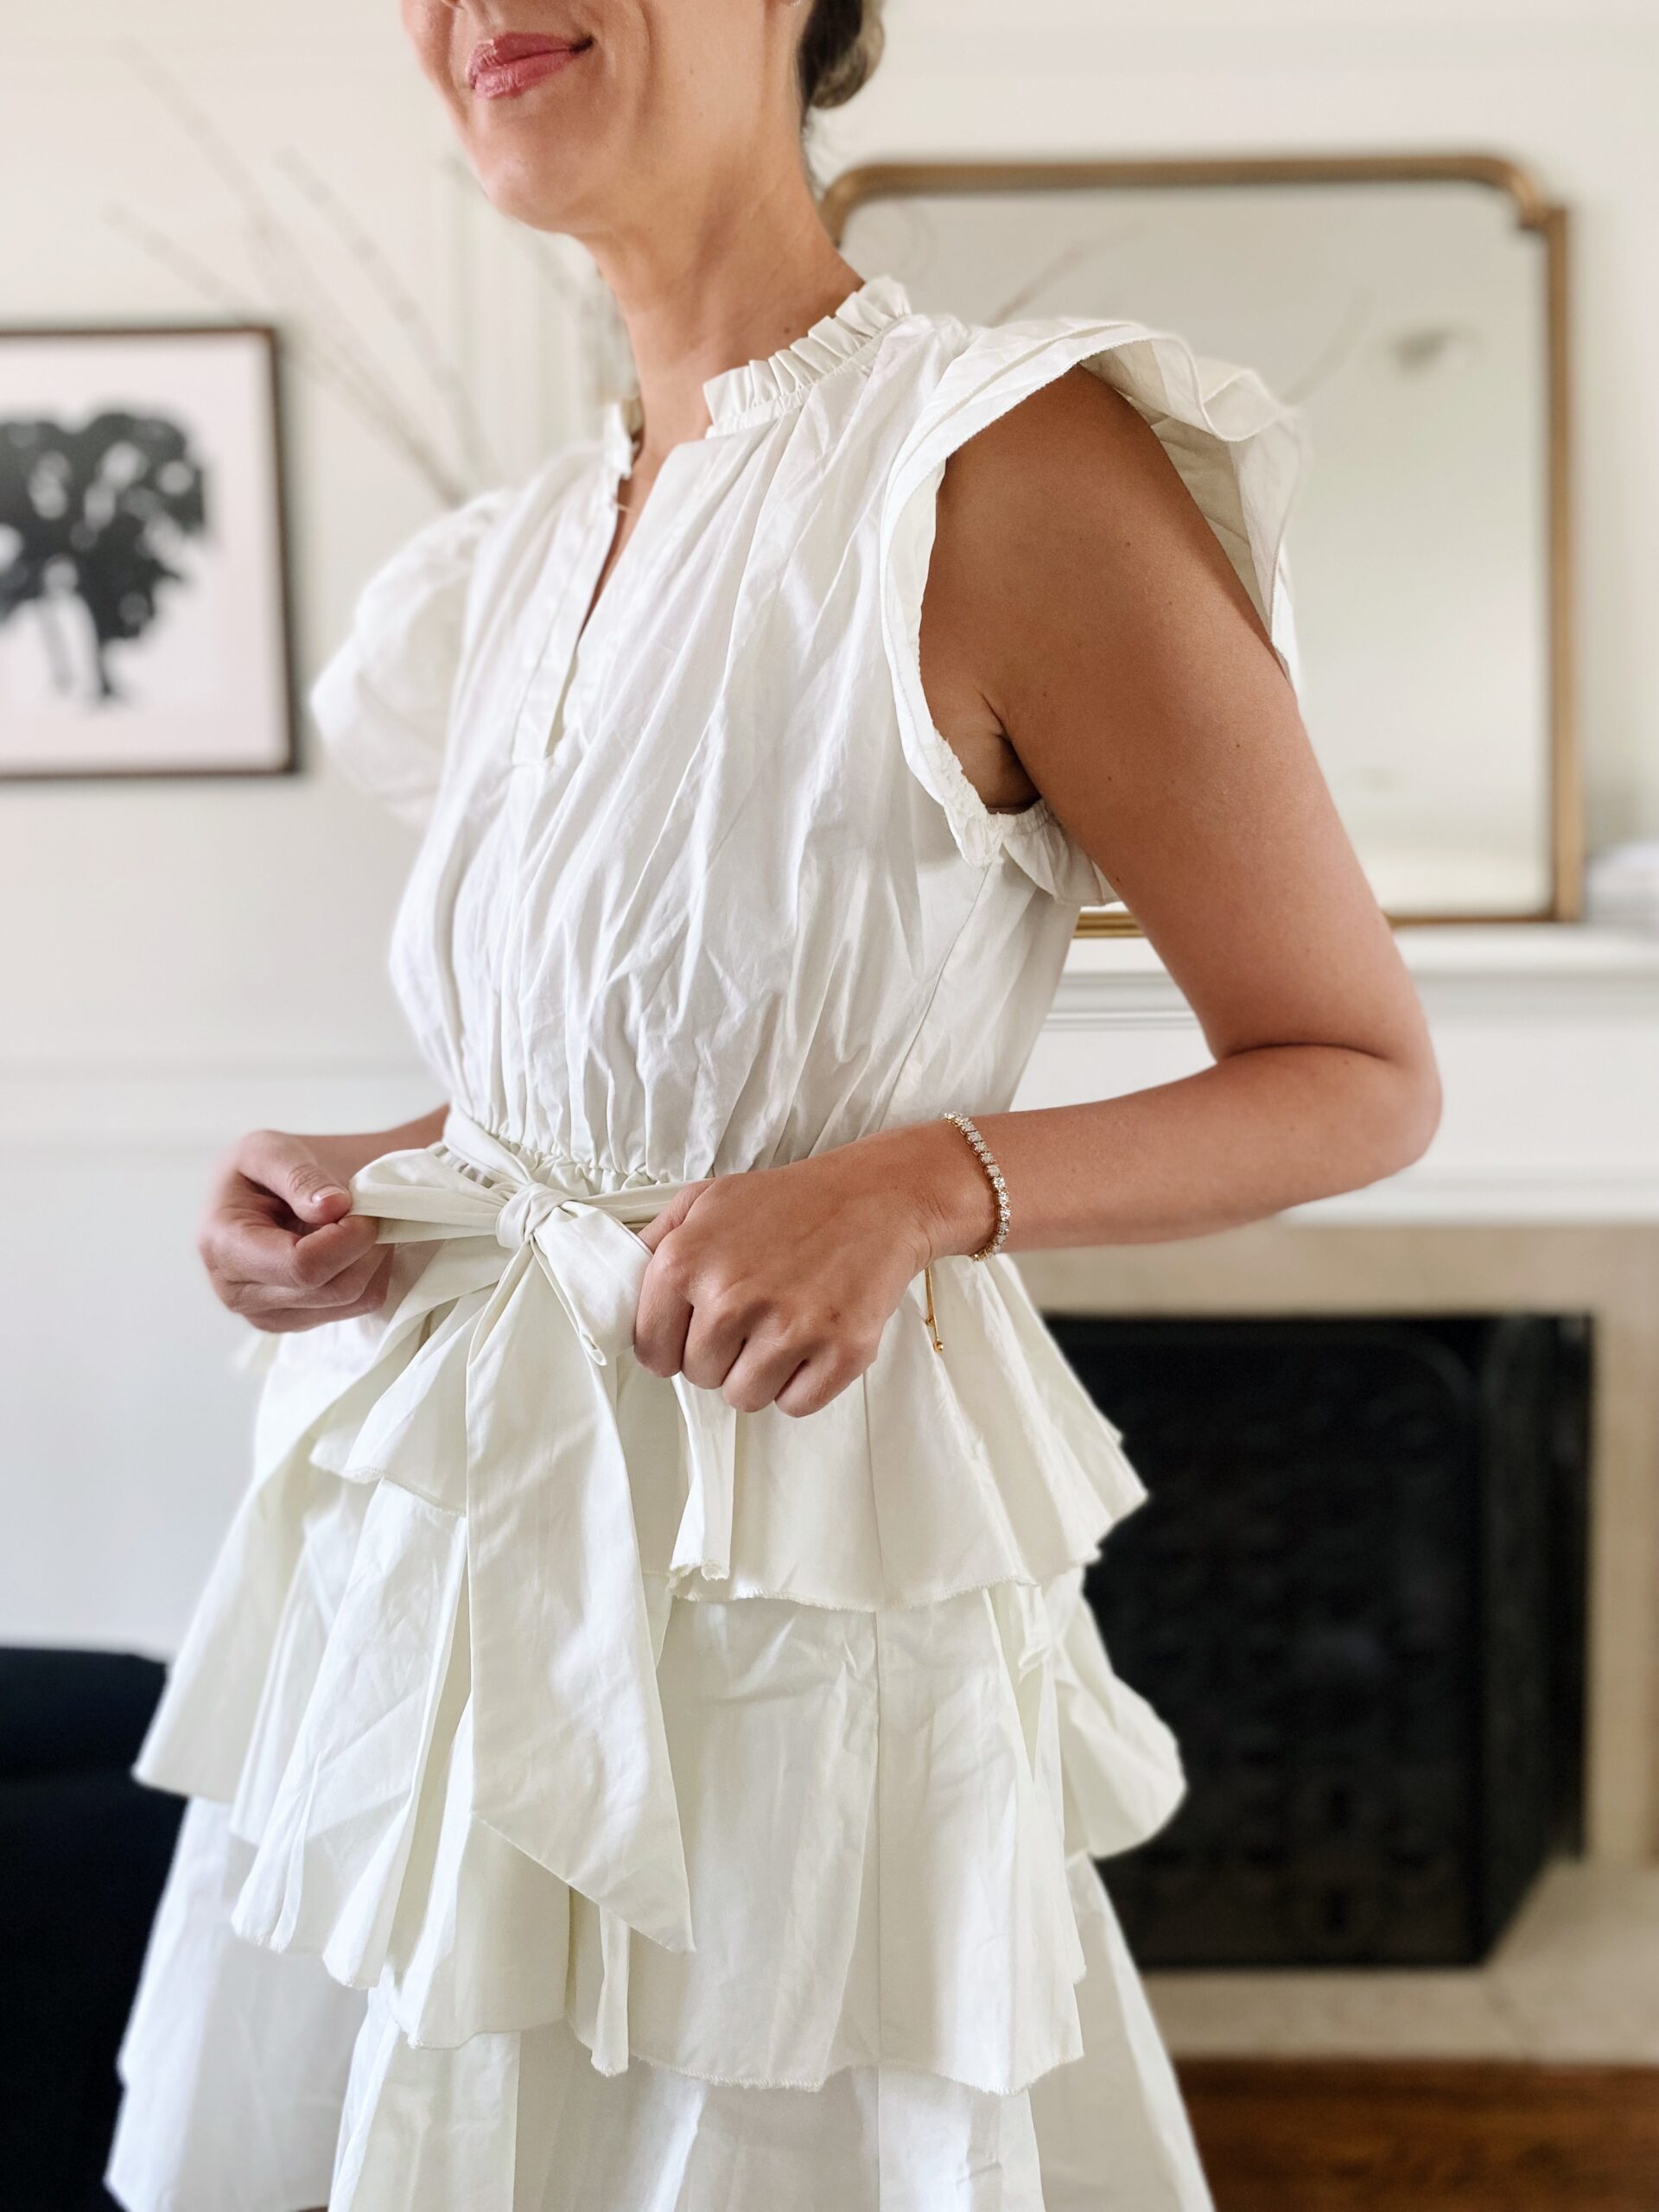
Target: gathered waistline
(492, 1160)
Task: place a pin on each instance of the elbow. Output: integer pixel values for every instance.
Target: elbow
(1410, 1116)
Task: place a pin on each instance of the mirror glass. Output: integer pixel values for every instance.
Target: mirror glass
(1409, 320)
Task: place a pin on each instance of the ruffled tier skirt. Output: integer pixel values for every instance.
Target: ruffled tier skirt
(907, 1990)
(257, 2083)
(763, 1900)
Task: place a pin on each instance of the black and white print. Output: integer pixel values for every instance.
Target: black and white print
(142, 601)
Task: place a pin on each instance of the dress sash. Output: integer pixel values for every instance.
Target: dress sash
(571, 1754)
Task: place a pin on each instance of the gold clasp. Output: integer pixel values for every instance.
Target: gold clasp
(932, 1325)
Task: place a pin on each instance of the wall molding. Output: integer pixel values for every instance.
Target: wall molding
(1548, 1039)
(1562, 971)
(185, 1107)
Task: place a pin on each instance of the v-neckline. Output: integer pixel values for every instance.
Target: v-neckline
(578, 600)
(737, 399)
(618, 470)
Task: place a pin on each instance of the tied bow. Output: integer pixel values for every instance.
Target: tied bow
(571, 1758)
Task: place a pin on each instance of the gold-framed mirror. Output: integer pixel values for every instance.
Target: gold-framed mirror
(1414, 306)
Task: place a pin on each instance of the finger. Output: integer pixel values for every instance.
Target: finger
(320, 1255)
(672, 1215)
(248, 1248)
(662, 1317)
(354, 1282)
(240, 1243)
(246, 1252)
(291, 1321)
(815, 1383)
(287, 1166)
(760, 1372)
(361, 1290)
(714, 1344)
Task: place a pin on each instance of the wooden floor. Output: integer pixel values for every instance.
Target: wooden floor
(1387, 2136)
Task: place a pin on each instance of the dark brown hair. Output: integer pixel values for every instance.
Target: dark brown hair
(839, 50)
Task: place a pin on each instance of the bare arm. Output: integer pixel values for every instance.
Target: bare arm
(1085, 638)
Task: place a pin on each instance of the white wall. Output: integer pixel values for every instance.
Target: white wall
(1568, 87)
(181, 961)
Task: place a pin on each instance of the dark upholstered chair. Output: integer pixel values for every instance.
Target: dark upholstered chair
(83, 1850)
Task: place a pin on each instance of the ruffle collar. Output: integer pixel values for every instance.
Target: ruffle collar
(760, 391)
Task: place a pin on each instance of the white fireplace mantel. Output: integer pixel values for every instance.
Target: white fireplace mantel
(1547, 1037)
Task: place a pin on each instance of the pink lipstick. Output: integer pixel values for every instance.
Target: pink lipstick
(504, 68)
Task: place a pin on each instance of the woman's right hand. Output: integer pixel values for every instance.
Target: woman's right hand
(279, 1240)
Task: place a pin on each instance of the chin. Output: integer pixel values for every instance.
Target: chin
(533, 185)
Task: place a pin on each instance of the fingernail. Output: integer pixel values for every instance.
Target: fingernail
(331, 1190)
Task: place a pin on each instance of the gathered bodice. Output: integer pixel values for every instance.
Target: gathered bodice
(701, 887)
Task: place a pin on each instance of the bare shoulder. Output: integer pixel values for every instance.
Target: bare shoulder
(1077, 413)
(1063, 527)
(1072, 491)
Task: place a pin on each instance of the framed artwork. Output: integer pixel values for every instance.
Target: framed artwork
(143, 591)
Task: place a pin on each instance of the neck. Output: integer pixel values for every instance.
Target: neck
(715, 283)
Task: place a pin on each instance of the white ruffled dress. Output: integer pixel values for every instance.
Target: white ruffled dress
(605, 1802)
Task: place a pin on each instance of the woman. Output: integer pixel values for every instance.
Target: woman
(650, 1662)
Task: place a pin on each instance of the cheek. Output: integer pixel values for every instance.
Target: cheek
(712, 81)
(431, 29)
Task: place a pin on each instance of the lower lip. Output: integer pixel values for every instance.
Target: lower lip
(509, 81)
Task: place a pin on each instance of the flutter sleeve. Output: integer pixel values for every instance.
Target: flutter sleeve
(1239, 451)
(382, 703)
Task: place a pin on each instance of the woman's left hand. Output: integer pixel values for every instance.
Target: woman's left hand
(774, 1286)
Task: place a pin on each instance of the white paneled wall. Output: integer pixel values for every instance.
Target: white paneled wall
(181, 960)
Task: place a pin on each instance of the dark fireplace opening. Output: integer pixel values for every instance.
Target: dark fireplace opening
(1356, 1592)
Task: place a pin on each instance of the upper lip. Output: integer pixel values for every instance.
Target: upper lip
(517, 45)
